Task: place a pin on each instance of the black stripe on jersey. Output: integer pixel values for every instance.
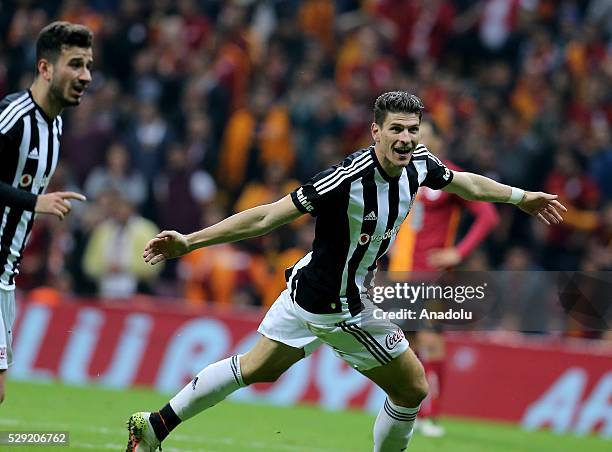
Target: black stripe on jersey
(9, 159)
(393, 212)
(10, 228)
(370, 204)
(31, 165)
(413, 179)
(363, 341)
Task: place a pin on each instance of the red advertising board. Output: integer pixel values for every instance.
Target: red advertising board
(564, 386)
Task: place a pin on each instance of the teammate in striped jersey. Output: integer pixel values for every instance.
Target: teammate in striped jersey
(30, 130)
(359, 205)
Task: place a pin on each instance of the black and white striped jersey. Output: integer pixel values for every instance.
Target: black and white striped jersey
(29, 149)
(358, 210)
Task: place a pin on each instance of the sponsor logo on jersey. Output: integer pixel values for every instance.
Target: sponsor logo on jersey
(371, 216)
(393, 339)
(364, 239)
(195, 382)
(25, 180)
(33, 154)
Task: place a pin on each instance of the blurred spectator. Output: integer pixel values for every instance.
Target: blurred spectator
(147, 141)
(222, 274)
(524, 293)
(84, 140)
(182, 192)
(255, 136)
(566, 242)
(117, 175)
(113, 257)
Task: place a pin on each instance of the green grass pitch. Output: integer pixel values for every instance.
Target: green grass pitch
(95, 419)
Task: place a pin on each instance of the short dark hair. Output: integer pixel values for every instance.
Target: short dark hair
(396, 102)
(56, 35)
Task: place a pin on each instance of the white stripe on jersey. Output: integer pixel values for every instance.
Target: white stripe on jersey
(56, 147)
(10, 121)
(362, 164)
(43, 151)
(330, 178)
(421, 166)
(404, 193)
(16, 104)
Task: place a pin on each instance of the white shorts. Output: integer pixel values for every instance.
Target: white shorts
(7, 317)
(361, 341)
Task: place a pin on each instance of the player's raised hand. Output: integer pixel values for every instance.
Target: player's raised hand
(57, 203)
(165, 245)
(543, 206)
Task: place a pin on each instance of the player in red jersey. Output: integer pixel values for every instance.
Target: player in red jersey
(426, 243)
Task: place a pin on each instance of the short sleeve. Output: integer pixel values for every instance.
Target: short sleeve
(324, 190)
(438, 174)
(311, 197)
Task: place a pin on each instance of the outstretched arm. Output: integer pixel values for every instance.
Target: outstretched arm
(474, 187)
(243, 225)
(56, 203)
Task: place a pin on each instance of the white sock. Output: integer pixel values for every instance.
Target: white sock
(393, 427)
(213, 384)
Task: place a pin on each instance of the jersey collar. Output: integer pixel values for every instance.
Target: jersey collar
(381, 170)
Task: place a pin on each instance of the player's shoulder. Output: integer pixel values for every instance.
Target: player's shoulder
(13, 107)
(421, 153)
(358, 158)
(13, 100)
(342, 174)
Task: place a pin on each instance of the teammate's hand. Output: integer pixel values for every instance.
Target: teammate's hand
(165, 245)
(543, 206)
(57, 203)
(443, 258)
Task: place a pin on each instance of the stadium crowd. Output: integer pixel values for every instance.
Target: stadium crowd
(203, 108)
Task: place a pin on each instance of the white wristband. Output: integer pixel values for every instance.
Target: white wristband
(516, 195)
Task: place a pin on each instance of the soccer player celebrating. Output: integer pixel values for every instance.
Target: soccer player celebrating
(426, 243)
(30, 130)
(359, 205)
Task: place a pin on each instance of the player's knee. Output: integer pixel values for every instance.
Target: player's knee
(412, 395)
(1, 397)
(412, 392)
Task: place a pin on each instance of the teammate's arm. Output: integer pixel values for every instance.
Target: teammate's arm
(475, 187)
(248, 223)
